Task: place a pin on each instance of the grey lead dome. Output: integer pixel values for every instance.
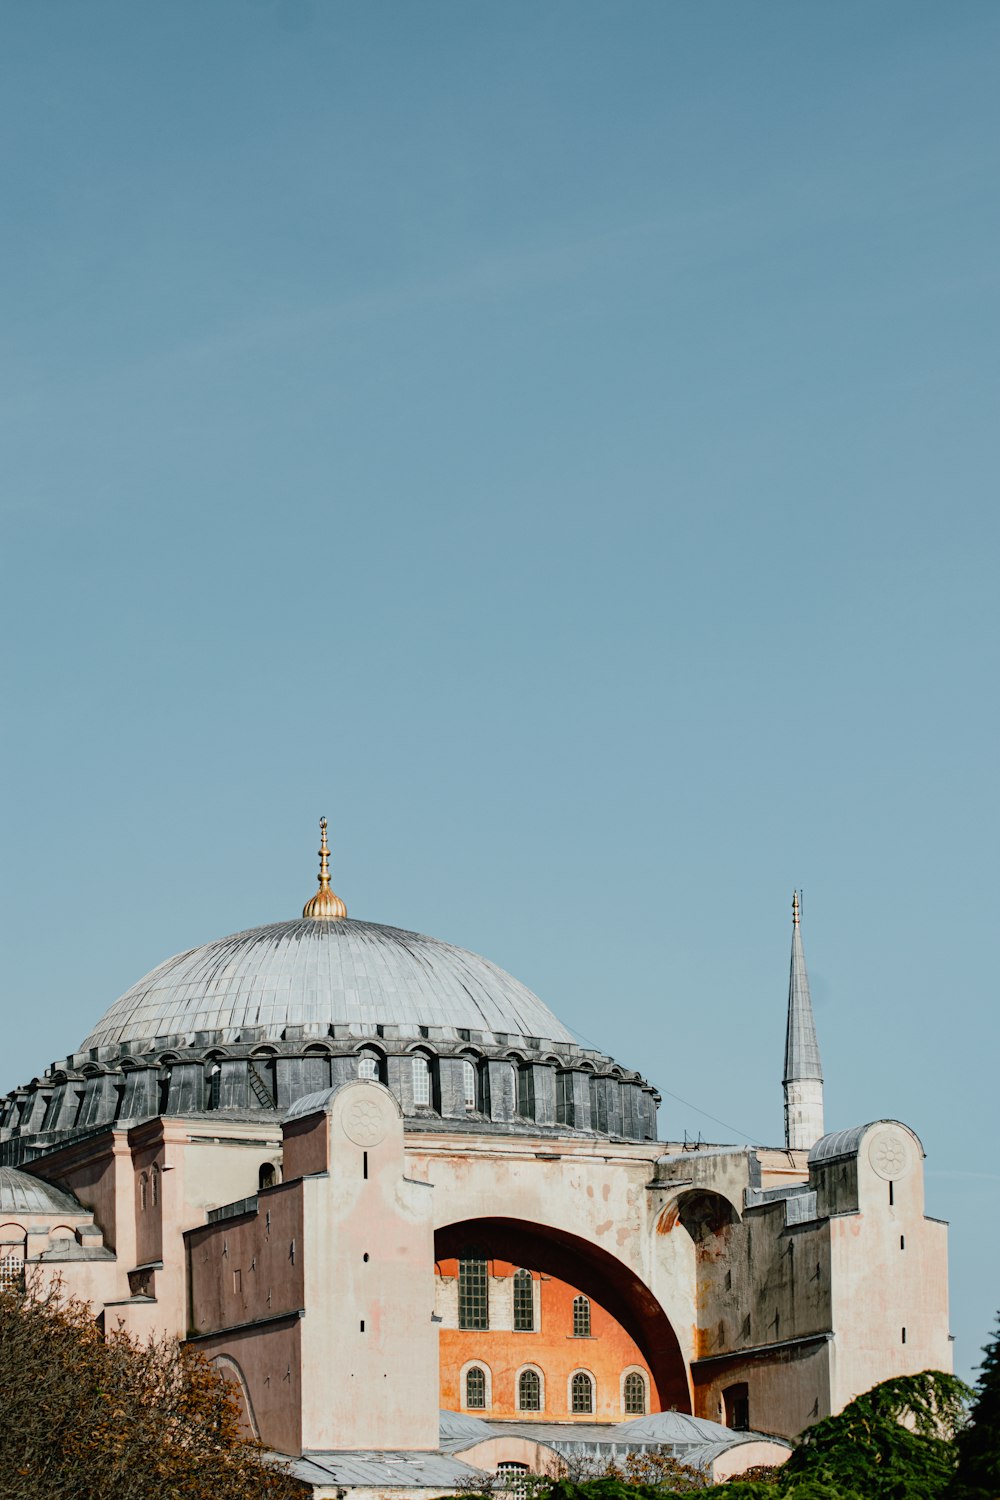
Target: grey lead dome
(321, 973)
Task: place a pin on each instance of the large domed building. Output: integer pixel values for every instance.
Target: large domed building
(329, 1133)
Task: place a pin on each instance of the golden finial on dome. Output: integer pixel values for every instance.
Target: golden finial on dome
(326, 904)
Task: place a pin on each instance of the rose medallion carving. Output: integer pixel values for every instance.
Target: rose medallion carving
(364, 1121)
(888, 1155)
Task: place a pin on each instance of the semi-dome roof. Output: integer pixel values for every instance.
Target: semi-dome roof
(311, 972)
(20, 1193)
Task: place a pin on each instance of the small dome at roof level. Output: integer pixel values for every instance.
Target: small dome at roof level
(20, 1193)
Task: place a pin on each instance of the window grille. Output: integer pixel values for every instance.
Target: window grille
(513, 1479)
(214, 1086)
(526, 1093)
(421, 1081)
(524, 1302)
(143, 1190)
(475, 1388)
(581, 1317)
(582, 1393)
(635, 1395)
(154, 1186)
(529, 1391)
(11, 1273)
(565, 1114)
(368, 1067)
(473, 1297)
(469, 1084)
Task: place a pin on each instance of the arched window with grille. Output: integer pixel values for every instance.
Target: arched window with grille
(529, 1391)
(11, 1273)
(581, 1393)
(634, 1394)
(368, 1066)
(469, 1083)
(421, 1081)
(512, 1479)
(143, 1189)
(475, 1388)
(154, 1186)
(581, 1317)
(524, 1302)
(473, 1294)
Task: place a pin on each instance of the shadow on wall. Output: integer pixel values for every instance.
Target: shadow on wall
(597, 1274)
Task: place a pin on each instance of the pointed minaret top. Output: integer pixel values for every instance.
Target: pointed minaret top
(801, 1046)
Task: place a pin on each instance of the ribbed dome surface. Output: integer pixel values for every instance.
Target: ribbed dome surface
(20, 1193)
(324, 972)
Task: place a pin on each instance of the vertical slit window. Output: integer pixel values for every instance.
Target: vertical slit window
(582, 1393)
(473, 1294)
(524, 1303)
(475, 1388)
(598, 1105)
(526, 1092)
(529, 1391)
(581, 1317)
(565, 1114)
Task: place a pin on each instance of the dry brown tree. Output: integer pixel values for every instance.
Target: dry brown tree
(102, 1417)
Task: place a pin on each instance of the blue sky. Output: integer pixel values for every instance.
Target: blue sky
(559, 443)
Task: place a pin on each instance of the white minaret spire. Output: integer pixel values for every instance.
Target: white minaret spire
(803, 1070)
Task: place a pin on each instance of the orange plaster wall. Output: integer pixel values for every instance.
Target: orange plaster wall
(552, 1348)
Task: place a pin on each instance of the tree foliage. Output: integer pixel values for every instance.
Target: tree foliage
(896, 1442)
(979, 1443)
(88, 1416)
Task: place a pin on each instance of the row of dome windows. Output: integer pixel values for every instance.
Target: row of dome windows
(477, 1391)
(477, 1085)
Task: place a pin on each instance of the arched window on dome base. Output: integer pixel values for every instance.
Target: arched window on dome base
(371, 1065)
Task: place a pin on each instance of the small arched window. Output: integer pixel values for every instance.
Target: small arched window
(524, 1303)
(368, 1066)
(267, 1176)
(582, 1393)
(581, 1317)
(475, 1388)
(11, 1273)
(421, 1081)
(469, 1083)
(529, 1391)
(154, 1186)
(634, 1392)
(214, 1085)
(512, 1480)
(143, 1190)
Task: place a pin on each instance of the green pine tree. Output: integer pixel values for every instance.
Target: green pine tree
(979, 1443)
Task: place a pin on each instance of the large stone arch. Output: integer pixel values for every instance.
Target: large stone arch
(598, 1274)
